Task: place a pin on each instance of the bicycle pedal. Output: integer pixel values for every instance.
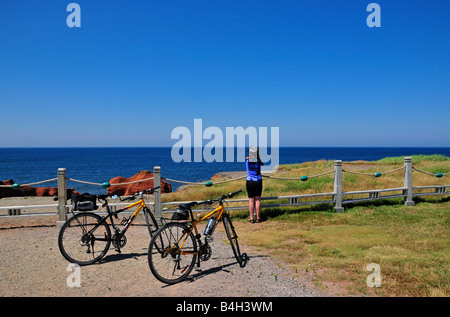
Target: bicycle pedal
(118, 250)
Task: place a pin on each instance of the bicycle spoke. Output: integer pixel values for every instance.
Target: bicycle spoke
(172, 265)
(78, 239)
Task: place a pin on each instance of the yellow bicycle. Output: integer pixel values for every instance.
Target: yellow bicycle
(86, 237)
(177, 246)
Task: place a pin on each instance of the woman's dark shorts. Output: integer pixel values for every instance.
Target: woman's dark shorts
(254, 188)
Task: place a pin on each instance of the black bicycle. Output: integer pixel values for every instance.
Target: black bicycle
(86, 237)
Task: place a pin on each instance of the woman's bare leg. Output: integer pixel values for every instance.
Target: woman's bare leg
(258, 207)
(251, 207)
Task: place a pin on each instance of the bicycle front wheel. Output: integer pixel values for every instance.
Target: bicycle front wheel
(83, 240)
(233, 238)
(172, 253)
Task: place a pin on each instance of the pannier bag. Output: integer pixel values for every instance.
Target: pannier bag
(84, 202)
(181, 213)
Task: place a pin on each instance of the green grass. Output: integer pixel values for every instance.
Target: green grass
(351, 182)
(411, 244)
(415, 158)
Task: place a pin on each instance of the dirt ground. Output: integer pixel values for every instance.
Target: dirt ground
(31, 265)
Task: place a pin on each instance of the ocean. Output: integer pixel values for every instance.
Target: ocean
(26, 165)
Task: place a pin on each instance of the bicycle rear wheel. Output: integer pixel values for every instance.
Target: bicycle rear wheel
(83, 240)
(172, 253)
(233, 238)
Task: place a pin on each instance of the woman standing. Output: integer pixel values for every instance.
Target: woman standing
(254, 183)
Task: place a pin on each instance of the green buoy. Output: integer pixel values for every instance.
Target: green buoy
(208, 184)
(304, 178)
(15, 186)
(106, 184)
(377, 174)
(439, 175)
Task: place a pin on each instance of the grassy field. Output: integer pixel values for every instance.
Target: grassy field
(411, 244)
(351, 182)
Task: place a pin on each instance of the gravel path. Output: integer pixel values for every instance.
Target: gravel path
(31, 265)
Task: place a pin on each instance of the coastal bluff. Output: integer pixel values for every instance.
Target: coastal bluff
(29, 191)
(130, 189)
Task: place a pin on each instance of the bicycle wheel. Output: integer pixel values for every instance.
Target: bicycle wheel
(83, 240)
(172, 253)
(233, 238)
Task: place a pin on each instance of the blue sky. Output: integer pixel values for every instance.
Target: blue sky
(136, 70)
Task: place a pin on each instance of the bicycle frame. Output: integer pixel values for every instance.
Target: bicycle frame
(141, 205)
(220, 210)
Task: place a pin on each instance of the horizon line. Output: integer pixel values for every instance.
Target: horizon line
(235, 147)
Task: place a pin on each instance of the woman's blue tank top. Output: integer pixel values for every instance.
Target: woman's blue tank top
(253, 170)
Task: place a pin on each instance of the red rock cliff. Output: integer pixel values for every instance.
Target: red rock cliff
(25, 191)
(124, 190)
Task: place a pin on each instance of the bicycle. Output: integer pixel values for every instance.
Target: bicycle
(177, 246)
(86, 237)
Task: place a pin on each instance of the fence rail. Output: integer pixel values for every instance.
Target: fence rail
(337, 197)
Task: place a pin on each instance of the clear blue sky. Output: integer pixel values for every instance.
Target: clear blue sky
(135, 70)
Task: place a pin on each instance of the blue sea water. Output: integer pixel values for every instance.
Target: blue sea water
(26, 165)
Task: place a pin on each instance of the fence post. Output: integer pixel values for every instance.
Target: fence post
(157, 182)
(408, 182)
(62, 197)
(338, 185)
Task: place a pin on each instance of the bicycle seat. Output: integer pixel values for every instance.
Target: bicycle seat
(182, 212)
(188, 205)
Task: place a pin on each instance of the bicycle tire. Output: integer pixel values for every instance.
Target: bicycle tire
(77, 245)
(233, 238)
(173, 267)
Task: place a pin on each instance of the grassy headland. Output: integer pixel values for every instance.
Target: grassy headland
(351, 182)
(411, 244)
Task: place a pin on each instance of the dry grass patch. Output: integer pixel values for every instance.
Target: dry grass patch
(411, 245)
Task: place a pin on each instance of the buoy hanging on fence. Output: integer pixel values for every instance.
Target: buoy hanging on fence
(106, 185)
(15, 186)
(304, 178)
(377, 174)
(208, 184)
(439, 175)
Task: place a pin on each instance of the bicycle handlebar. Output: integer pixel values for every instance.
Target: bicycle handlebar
(210, 201)
(230, 195)
(132, 197)
(145, 191)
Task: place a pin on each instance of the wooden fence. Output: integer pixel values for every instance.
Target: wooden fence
(337, 197)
